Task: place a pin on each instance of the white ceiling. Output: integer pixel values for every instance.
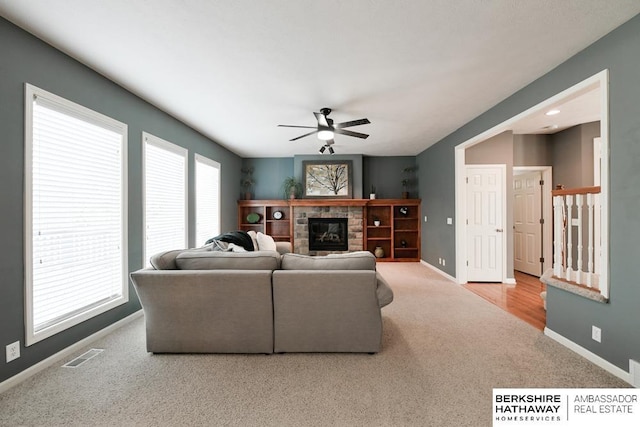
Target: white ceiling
(234, 70)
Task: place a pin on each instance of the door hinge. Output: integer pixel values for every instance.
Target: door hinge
(541, 220)
(467, 180)
(541, 259)
(542, 182)
(467, 263)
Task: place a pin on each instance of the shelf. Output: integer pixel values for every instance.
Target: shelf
(378, 226)
(405, 249)
(408, 230)
(379, 238)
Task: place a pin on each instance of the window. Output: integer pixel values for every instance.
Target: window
(75, 214)
(207, 199)
(165, 196)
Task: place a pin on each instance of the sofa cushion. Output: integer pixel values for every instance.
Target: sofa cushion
(265, 242)
(165, 260)
(215, 260)
(361, 260)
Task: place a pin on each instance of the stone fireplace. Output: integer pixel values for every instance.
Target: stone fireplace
(328, 234)
(350, 216)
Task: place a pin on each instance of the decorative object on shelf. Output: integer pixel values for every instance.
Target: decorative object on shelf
(379, 252)
(403, 243)
(291, 188)
(247, 182)
(376, 221)
(253, 218)
(404, 210)
(372, 195)
(278, 215)
(327, 179)
(407, 180)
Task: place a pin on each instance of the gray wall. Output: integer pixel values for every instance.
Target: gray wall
(269, 174)
(386, 174)
(532, 150)
(567, 314)
(27, 59)
(383, 172)
(493, 151)
(572, 152)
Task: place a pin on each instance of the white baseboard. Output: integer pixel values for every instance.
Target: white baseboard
(66, 352)
(510, 281)
(592, 357)
(437, 270)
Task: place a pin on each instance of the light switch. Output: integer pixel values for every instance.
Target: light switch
(449, 221)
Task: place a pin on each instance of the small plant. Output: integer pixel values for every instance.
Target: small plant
(247, 181)
(291, 188)
(407, 180)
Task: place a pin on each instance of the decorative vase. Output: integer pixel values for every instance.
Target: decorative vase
(379, 252)
(376, 223)
(372, 196)
(405, 194)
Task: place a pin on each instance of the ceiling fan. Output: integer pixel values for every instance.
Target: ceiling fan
(326, 129)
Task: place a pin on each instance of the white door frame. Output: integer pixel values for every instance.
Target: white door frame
(547, 211)
(600, 80)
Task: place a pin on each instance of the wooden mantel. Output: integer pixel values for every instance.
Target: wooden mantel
(327, 202)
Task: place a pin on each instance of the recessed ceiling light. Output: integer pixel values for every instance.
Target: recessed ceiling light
(552, 112)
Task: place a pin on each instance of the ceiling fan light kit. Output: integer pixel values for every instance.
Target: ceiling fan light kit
(326, 129)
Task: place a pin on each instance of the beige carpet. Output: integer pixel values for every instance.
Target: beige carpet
(444, 350)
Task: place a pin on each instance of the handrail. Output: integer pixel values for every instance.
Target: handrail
(574, 191)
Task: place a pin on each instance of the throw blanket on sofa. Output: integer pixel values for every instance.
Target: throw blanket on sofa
(240, 238)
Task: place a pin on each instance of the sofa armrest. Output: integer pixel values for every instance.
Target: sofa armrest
(326, 311)
(383, 291)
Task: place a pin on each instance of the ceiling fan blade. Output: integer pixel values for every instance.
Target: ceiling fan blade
(306, 134)
(294, 126)
(351, 133)
(352, 123)
(322, 119)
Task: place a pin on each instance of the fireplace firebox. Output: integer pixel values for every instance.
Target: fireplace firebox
(328, 234)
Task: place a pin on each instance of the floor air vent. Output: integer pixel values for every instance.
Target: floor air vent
(83, 358)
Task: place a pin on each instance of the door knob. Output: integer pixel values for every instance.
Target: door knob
(499, 230)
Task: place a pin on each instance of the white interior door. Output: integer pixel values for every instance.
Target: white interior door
(485, 223)
(527, 213)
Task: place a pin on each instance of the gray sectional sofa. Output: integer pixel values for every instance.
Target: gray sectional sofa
(198, 301)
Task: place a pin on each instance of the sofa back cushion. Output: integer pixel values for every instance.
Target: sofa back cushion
(361, 260)
(216, 260)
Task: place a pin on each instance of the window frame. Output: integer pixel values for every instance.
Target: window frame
(198, 158)
(90, 116)
(148, 138)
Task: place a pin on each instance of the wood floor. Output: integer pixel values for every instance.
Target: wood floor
(522, 299)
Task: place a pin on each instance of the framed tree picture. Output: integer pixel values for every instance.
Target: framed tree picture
(328, 179)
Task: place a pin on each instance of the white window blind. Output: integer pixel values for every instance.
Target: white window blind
(165, 196)
(207, 199)
(75, 263)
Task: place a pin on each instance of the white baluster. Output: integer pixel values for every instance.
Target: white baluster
(569, 232)
(558, 202)
(590, 240)
(579, 205)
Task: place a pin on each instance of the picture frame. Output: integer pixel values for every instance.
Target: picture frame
(327, 179)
